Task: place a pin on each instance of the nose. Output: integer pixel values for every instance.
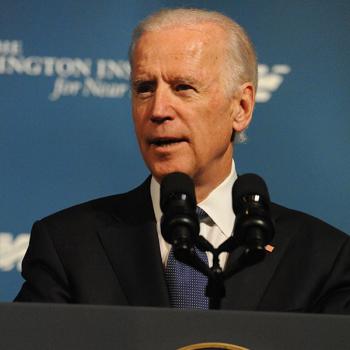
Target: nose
(161, 107)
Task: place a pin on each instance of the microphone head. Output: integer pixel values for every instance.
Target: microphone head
(249, 186)
(254, 228)
(177, 186)
(179, 223)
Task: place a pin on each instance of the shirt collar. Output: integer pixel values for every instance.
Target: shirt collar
(218, 204)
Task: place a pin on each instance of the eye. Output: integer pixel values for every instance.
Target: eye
(144, 87)
(183, 87)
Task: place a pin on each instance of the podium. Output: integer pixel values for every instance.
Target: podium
(81, 327)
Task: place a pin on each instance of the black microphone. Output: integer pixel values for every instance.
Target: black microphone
(254, 228)
(179, 223)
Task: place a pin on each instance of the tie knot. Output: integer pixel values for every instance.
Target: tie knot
(201, 214)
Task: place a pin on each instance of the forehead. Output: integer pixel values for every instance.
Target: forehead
(190, 45)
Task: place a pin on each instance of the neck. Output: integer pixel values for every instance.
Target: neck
(203, 188)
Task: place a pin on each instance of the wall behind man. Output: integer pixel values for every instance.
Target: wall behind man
(66, 134)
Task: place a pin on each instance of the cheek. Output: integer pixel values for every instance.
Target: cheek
(137, 108)
(219, 123)
(138, 121)
(224, 118)
(139, 130)
(216, 135)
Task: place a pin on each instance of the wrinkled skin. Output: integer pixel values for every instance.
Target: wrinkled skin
(183, 114)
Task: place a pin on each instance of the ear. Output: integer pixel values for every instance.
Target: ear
(244, 106)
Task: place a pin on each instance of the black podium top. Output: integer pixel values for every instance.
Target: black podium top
(53, 326)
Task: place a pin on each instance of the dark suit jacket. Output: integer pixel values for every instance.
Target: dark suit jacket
(106, 252)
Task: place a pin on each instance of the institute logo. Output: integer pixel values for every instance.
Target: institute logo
(213, 346)
(270, 79)
(102, 77)
(12, 250)
(72, 76)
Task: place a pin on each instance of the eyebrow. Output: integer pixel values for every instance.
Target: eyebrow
(177, 79)
(184, 79)
(142, 81)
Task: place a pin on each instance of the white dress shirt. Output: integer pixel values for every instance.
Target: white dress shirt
(218, 205)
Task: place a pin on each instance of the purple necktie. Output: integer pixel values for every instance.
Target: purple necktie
(186, 285)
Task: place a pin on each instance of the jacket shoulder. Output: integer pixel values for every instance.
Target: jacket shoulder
(124, 207)
(300, 223)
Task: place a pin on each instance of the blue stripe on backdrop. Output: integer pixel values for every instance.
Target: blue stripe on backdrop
(66, 134)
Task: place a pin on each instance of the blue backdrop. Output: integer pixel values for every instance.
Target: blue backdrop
(66, 134)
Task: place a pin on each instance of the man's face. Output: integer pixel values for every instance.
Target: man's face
(182, 113)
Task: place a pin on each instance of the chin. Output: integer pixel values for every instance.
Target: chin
(160, 171)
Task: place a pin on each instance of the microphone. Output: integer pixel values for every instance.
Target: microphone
(254, 228)
(179, 223)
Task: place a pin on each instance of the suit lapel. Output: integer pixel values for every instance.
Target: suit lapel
(129, 237)
(245, 290)
(130, 240)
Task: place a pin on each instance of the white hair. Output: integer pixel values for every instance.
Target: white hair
(241, 62)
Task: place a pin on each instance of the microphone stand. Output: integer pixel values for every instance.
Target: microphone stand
(215, 289)
(253, 229)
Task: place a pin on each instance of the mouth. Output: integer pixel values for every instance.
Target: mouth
(166, 141)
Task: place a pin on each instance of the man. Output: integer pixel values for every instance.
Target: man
(193, 86)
